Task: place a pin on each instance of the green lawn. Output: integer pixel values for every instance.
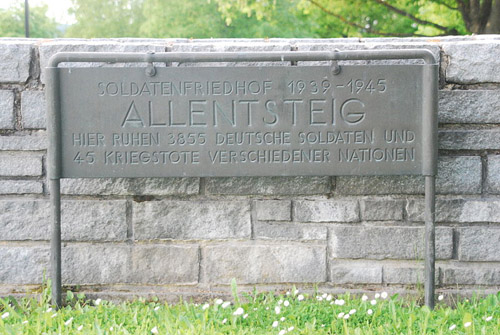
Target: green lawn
(264, 313)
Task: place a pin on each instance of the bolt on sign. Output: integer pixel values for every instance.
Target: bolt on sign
(334, 119)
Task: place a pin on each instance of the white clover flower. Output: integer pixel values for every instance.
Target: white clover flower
(329, 297)
(352, 311)
(224, 321)
(157, 308)
(97, 302)
(53, 315)
(286, 303)
(452, 327)
(291, 328)
(282, 332)
(324, 295)
(267, 308)
(68, 321)
(204, 307)
(441, 297)
(488, 318)
(219, 302)
(280, 302)
(300, 297)
(154, 330)
(277, 309)
(384, 295)
(319, 298)
(48, 310)
(373, 302)
(79, 327)
(377, 295)
(467, 324)
(341, 315)
(5, 315)
(282, 319)
(347, 316)
(296, 292)
(111, 329)
(275, 324)
(226, 304)
(245, 316)
(288, 293)
(239, 311)
(369, 312)
(340, 302)
(25, 322)
(323, 325)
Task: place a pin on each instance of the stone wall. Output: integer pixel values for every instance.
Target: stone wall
(189, 236)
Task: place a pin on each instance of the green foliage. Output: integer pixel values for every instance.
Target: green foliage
(258, 313)
(41, 26)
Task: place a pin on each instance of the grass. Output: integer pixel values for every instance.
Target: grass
(257, 313)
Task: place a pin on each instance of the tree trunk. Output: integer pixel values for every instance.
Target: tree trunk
(493, 25)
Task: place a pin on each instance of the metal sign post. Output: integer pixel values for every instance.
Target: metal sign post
(337, 119)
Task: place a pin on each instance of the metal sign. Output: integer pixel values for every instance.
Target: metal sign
(242, 121)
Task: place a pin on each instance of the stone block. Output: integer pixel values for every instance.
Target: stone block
(263, 263)
(81, 220)
(354, 272)
(479, 243)
(326, 211)
(20, 164)
(386, 242)
(85, 264)
(33, 109)
(472, 61)
(382, 210)
(24, 264)
(457, 210)
(469, 139)
(165, 264)
(273, 210)
(269, 185)
(456, 175)
(6, 109)
(21, 187)
(16, 58)
(469, 106)
(130, 186)
(470, 274)
(493, 174)
(405, 275)
(187, 220)
(289, 231)
(36, 140)
(48, 49)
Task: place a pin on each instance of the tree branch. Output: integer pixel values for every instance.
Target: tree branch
(412, 17)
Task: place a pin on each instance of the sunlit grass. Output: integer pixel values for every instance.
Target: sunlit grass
(258, 313)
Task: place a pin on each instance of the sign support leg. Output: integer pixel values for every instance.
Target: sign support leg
(430, 249)
(55, 241)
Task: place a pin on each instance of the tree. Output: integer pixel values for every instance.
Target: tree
(41, 26)
(384, 17)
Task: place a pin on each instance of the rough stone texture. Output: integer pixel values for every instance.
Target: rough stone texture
(289, 231)
(48, 49)
(479, 244)
(191, 220)
(326, 211)
(380, 210)
(273, 210)
(15, 61)
(457, 210)
(81, 220)
(33, 109)
(132, 186)
(95, 264)
(23, 264)
(470, 274)
(493, 174)
(6, 109)
(33, 141)
(263, 263)
(269, 185)
(456, 175)
(386, 242)
(355, 273)
(469, 139)
(165, 264)
(470, 106)
(405, 275)
(20, 164)
(21, 187)
(473, 61)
